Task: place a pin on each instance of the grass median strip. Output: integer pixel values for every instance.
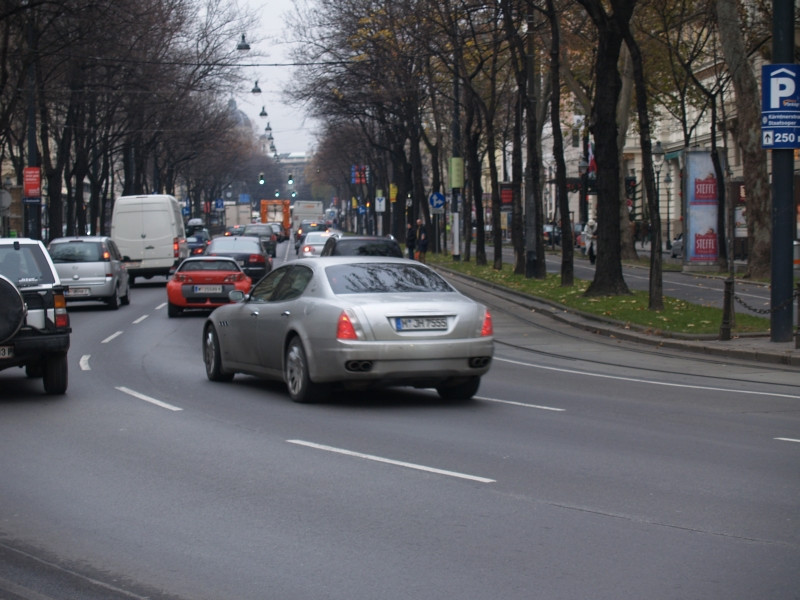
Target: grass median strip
(678, 316)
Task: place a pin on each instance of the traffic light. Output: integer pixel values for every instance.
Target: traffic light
(261, 179)
(291, 179)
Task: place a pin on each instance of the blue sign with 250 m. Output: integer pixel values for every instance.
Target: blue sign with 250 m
(780, 106)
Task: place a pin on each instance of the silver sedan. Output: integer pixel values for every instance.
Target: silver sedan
(352, 322)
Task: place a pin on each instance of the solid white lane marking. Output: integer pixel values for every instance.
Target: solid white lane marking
(520, 404)
(111, 337)
(140, 319)
(135, 394)
(787, 440)
(84, 362)
(648, 381)
(389, 461)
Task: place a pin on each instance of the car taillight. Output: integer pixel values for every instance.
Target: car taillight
(308, 249)
(106, 256)
(176, 247)
(182, 278)
(345, 329)
(61, 316)
(486, 328)
(233, 277)
(257, 258)
(198, 250)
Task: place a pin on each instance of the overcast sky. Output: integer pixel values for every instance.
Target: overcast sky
(291, 130)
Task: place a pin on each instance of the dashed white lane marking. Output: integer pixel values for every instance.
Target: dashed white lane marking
(787, 440)
(135, 394)
(389, 461)
(520, 404)
(140, 319)
(111, 337)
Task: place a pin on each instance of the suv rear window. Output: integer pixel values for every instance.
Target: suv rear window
(25, 265)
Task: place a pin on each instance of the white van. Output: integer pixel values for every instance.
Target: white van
(149, 232)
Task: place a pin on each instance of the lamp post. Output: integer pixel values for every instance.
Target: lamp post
(658, 162)
(668, 181)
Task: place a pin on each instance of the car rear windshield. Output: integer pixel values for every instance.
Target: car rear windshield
(384, 278)
(76, 251)
(25, 266)
(208, 265)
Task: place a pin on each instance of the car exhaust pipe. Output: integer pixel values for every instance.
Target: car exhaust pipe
(358, 366)
(478, 362)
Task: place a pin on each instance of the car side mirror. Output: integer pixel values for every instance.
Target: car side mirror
(236, 296)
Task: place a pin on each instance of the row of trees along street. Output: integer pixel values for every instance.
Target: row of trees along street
(137, 92)
(130, 93)
(402, 85)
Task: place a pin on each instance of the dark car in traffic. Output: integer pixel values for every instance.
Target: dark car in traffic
(247, 251)
(265, 233)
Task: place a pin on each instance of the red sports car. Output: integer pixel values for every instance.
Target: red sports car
(204, 282)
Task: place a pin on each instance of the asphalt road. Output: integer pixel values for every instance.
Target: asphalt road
(586, 468)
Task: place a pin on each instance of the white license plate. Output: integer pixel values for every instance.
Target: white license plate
(208, 289)
(420, 323)
(77, 292)
(6, 351)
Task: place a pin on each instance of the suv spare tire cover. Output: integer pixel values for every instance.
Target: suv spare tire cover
(12, 314)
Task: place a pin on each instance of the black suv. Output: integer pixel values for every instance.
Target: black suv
(361, 245)
(34, 324)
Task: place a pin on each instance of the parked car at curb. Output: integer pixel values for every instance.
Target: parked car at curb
(352, 322)
(92, 269)
(34, 324)
(204, 282)
(677, 246)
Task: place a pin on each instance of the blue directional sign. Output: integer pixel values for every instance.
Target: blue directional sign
(436, 201)
(780, 106)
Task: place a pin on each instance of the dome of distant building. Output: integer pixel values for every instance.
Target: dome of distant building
(238, 116)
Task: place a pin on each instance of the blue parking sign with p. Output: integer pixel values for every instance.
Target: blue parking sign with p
(780, 106)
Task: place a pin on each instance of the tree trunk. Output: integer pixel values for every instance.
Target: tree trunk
(754, 159)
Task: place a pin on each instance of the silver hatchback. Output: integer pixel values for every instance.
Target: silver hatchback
(92, 268)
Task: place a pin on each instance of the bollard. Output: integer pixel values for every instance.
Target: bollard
(727, 311)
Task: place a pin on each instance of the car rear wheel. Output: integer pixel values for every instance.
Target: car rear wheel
(113, 301)
(13, 314)
(295, 373)
(464, 390)
(212, 357)
(126, 299)
(54, 374)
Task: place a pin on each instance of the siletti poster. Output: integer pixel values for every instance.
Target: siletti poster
(701, 240)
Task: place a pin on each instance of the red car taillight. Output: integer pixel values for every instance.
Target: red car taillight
(486, 328)
(344, 328)
(234, 277)
(308, 249)
(198, 250)
(182, 278)
(60, 304)
(257, 258)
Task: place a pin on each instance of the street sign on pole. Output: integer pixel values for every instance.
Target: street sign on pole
(436, 201)
(780, 106)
